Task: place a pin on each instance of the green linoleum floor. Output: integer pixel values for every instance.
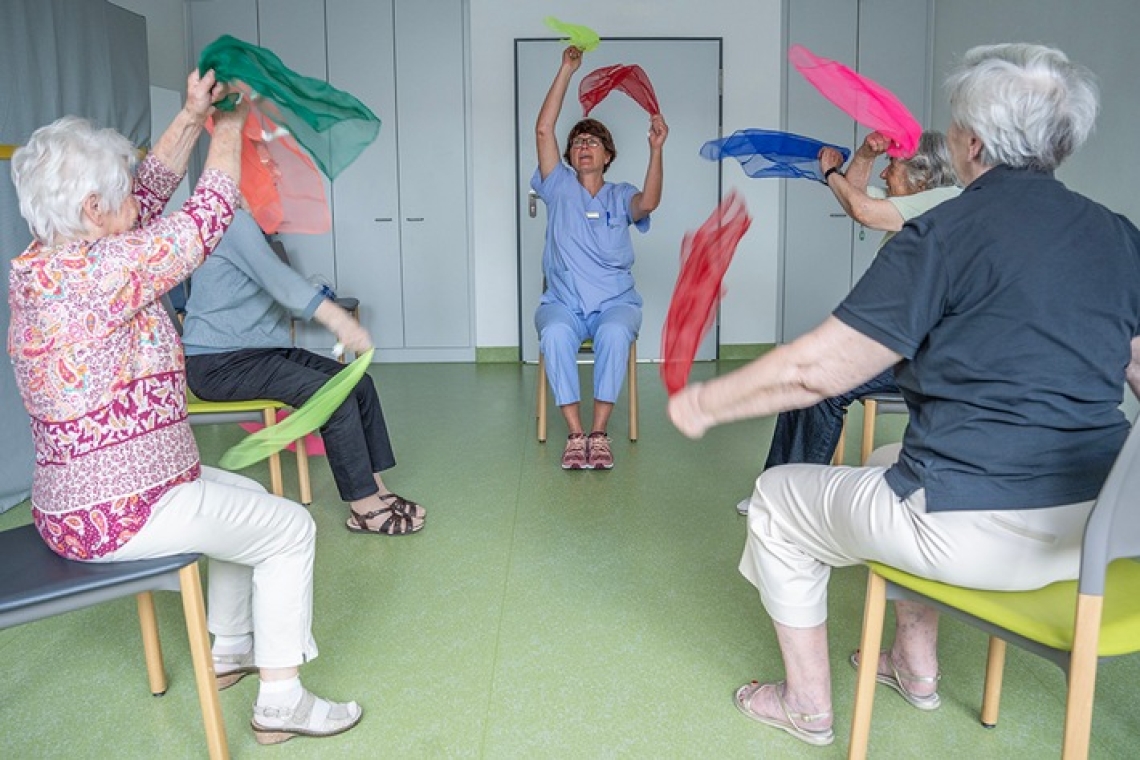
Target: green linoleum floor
(540, 613)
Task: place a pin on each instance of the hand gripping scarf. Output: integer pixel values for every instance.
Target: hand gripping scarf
(767, 153)
(863, 99)
(333, 126)
(582, 37)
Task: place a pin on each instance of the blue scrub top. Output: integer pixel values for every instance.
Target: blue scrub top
(589, 252)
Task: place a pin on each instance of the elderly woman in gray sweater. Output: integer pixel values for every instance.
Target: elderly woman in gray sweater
(239, 347)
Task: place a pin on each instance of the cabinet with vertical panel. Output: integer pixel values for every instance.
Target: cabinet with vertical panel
(400, 224)
(825, 252)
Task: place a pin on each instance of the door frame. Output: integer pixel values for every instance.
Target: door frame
(525, 299)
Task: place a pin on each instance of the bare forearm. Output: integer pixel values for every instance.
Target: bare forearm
(332, 317)
(225, 148)
(654, 178)
(765, 387)
(825, 362)
(174, 147)
(858, 172)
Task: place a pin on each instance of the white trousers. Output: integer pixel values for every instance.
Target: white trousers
(805, 519)
(261, 551)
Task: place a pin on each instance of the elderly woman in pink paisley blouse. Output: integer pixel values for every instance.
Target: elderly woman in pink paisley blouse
(101, 372)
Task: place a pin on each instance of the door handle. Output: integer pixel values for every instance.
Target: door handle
(532, 204)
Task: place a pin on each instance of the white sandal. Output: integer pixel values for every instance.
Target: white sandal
(311, 716)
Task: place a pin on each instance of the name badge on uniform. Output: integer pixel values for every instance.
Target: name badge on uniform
(593, 215)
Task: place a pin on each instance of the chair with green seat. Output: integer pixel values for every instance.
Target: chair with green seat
(1072, 624)
(257, 410)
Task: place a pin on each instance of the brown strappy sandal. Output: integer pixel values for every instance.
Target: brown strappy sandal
(404, 506)
(398, 523)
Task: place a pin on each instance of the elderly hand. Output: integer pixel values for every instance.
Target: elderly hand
(874, 145)
(353, 336)
(829, 158)
(236, 116)
(658, 131)
(685, 412)
(201, 94)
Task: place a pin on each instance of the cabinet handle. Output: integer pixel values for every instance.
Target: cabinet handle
(415, 219)
(382, 219)
(838, 215)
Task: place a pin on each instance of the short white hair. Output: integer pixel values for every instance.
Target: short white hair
(62, 165)
(1028, 104)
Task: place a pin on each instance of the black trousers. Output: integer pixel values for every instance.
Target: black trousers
(356, 438)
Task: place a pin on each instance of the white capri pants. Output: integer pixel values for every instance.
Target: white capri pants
(261, 551)
(804, 519)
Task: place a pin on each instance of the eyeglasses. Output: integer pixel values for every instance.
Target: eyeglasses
(585, 142)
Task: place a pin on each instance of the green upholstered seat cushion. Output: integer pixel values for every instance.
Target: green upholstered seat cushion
(1044, 615)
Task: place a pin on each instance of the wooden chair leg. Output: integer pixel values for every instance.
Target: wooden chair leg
(633, 411)
(276, 483)
(194, 609)
(152, 647)
(841, 446)
(1082, 678)
(303, 480)
(870, 410)
(874, 611)
(541, 399)
(991, 697)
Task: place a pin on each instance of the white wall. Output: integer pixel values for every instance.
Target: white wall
(165, 41)
(1098, 34)
(752, 66)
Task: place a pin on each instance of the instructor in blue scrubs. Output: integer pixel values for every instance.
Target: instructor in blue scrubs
(587, 263)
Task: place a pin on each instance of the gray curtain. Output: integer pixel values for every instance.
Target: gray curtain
(88, 57)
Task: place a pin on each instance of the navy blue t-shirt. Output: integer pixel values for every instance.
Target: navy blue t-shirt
(1014, 306)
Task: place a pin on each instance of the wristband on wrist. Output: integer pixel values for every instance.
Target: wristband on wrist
(833, 170)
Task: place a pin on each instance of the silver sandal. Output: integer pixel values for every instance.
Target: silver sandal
(791, 722)
(895, 678)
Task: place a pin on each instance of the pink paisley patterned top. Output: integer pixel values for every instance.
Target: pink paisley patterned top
(100, 366)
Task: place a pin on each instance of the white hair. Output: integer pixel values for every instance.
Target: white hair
(62, 165)
(1028, 104)
(930, 166)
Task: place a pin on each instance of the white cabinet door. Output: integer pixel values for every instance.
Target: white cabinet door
(400, 227)
(209, 21)
(894, 50)
(825, 252)
(294, 31)
(686, 77)
(431, 134)
(817, 234)
(361, 60)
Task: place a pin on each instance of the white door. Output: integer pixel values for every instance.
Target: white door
(686, 77)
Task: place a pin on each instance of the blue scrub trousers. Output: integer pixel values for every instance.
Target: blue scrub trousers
(560, 335)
